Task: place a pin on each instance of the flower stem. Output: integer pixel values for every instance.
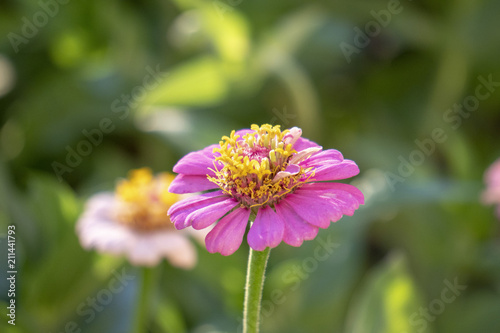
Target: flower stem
(257, 262)
(142, 310)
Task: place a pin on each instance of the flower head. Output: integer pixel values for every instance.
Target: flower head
(133, 221)
(492, 179)
(277, 175)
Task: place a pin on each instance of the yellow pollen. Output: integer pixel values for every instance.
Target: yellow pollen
(250, 163)
(272, 156)
(143, 199)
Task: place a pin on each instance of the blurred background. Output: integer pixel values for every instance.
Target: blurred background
(407, 89)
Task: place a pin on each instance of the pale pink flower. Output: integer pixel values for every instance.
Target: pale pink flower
(492, 179)
(133, 222)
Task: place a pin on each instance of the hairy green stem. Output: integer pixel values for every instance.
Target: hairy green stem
(257, 262)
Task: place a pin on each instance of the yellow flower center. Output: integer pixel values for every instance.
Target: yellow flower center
(143, 200)
(255, 166)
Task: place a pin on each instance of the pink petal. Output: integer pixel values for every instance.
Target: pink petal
(341, 191)
(290, 170)
(185, 203)
(302, 144)
(314, 209)
(150, 247)
(180, 252)
(344, 198)
(103, 234)
(492, 175)
(343, 170)
(292, 136)
(179, 211)
(304, 154)
(198, 162)
(189, 184)
(296, 229)
(198, 235)
(242, 132)
(97, 229)
(491, 195)
(227, 235)
(141, 253)
(325, 157)
(99, 203)
(266, 231)
(203, 217)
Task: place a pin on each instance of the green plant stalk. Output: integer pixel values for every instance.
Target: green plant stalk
(142, 308)
(257, 262)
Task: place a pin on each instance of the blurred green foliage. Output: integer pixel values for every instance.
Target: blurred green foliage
(149, 81)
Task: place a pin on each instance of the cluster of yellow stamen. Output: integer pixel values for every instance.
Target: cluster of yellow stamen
(251, 163)
(143, 200)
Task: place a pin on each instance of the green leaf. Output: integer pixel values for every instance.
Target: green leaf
(226, 28)
(55, 206)
(199, 82)
(472, 313)
(386, 301)
(169, 318)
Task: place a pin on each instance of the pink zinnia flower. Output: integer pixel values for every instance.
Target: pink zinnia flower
(278, 176)
(492, 179)
(133, 222)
